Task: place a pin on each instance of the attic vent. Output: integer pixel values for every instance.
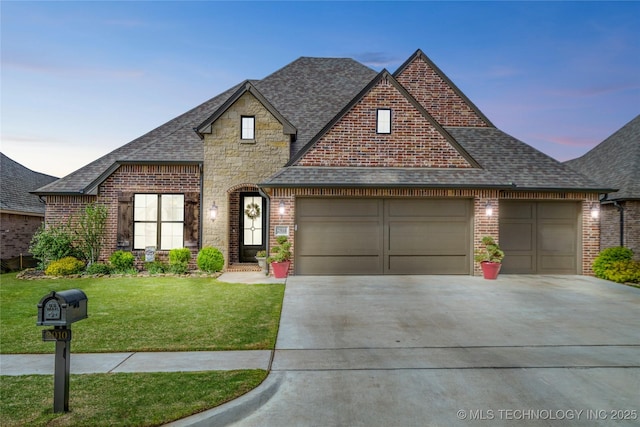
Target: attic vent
(383, 120)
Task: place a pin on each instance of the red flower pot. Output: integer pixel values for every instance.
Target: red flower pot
(490, 270)
(280, 269)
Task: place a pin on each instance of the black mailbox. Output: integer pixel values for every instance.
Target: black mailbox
(62, 308)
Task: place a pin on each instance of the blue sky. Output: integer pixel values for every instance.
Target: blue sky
(80, 79)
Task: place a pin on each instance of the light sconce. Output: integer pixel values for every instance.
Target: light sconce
(595, 210)
(488, 209)
(281, 208)
(213, 212)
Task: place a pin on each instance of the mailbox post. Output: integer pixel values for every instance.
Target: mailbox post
(60, 310)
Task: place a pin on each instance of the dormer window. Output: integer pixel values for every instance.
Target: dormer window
(383, 122)
(248, 128)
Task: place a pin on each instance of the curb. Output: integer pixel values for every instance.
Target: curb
(236, 409)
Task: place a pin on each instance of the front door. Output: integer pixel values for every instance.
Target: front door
(252, 226)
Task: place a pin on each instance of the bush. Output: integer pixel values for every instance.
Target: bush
(122, 261)
(179, 260)
(627, 271)
(210, 259)
(51, 243)
(99, 268)
(65, 267)
(156, 267)
(605, 260)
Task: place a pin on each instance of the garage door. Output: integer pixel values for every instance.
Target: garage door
(540, 237)
(383, 236)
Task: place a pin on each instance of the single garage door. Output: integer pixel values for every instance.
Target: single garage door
(383, 236)
(540, 237)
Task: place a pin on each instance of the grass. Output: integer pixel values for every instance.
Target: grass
(139, 399)
(146, 314)
(129, 314)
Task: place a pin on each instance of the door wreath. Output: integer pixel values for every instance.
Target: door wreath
(252, 211)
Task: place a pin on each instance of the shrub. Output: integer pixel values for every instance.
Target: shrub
(605, 259)
(51, 243)
(179, 260)
(99, 268)
(282, 251)
(156, 267)
(65, 267)
(122, 261)
(627, 271)
(210, 259)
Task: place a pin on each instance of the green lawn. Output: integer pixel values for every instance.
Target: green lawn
(146, 314)
(131, 399)
(136, 314)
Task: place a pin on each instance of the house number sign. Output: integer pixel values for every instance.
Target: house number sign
(52, 310)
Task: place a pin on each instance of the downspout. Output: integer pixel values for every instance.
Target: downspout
(200, 223)
(621, 210)
(268, 220)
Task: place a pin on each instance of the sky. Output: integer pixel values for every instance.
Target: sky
(82, 78)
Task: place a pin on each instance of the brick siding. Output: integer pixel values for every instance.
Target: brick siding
(610, 223)
(482, 225)
(437, 97)
(128, 178)
(413, 141)
(17, 232)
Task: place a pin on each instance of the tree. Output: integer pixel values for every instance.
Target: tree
(90, 231)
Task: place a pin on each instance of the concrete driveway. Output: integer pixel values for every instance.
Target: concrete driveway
(454, 351)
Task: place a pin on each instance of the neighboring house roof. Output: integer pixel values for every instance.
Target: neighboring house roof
(616, 161)
(309, 95)
(16, 181)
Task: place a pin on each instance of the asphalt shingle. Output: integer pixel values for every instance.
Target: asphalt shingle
(616, 161)
(16, 181)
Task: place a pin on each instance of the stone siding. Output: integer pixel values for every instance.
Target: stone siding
(231, 163)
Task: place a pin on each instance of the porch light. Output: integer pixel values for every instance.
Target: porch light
(281, 208)
(213, 212)
(488, 209)
(595, 210)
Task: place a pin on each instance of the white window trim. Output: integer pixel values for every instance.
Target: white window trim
(383, 121)
(244, 135)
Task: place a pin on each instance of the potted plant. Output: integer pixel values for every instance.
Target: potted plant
(490, 258)
(280, 257)
(261, 256)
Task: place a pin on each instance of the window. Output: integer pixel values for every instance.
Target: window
(158, 220)
(248, 127)
(383, 121)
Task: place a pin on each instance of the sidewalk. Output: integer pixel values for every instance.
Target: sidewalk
(102, 363)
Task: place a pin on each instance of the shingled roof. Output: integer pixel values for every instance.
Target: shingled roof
(505, 163)
(616, 161)
(329, 82)
(16, 181)
(309, 94)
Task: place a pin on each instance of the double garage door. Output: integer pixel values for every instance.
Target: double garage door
(383, 236)
(430, 236)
